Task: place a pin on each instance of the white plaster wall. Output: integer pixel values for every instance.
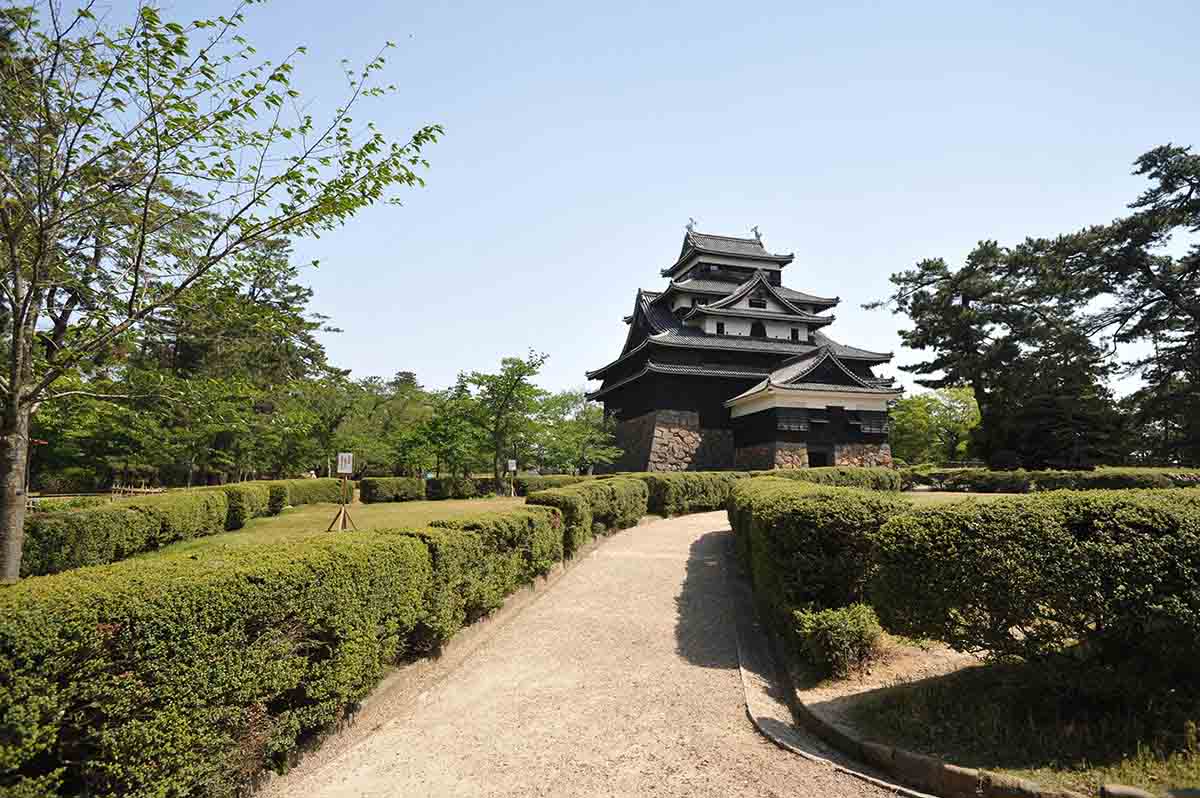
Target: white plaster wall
(739, 326)
(810, 399)
(772, 305)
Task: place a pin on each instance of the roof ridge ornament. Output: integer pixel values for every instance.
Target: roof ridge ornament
(691, 225)
(757, 235)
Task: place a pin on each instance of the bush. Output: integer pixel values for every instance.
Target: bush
(391, 489)
(981, 480)
(532, 483)
(841, 641)
(59, 541)
(678, 493)
(1105, 479)
(278, 497)
(187, 675)
(806, 546)
(841, 476)
(1108, 579)
(576, 514)
(246, 500)
(313, 491)
(69, 503)
(594, 506)
(450, 488)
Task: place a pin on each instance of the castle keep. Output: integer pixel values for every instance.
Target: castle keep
(728, 368)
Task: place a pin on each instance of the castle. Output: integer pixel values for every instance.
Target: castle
(728, 368)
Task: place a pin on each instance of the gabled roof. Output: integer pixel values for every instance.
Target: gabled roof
(850, 352)
(791, 377)
(707, 244)
(698, 285)
(759, 280)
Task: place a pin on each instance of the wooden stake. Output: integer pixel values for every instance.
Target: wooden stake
(343, 515)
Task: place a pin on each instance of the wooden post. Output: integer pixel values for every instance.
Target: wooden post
(343, 515)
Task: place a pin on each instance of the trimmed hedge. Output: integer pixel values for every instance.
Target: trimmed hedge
(806, 546)
(841, 476)
(59, 541)
(450, 488)
(532, 483)
(246, 500)
(677, 493)
(1082, 578)
(54, 504)
(982, 480)
(391, 489)
(313, 491)
(187, 675)
(594, 507)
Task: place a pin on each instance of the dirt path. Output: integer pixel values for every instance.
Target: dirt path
(621, 680)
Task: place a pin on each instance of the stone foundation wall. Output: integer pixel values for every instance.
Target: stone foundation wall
(672, 440)
(862, 454)
(775, 454)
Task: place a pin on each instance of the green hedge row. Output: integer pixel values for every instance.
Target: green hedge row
(677, 493)
(188, 674)
(66, 538)
(391, 489)
(1108, 579)
(982, 480)
(594, 507)
(842, 476)
(531, 483)
(451, 488)
(58, 541)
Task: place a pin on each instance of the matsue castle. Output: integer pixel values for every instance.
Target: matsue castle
(726, 367)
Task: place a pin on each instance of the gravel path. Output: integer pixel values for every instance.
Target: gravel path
(621, 680)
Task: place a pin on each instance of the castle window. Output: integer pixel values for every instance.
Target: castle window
(761, 304)
(720, 328)
(758, 330)
(796, 334)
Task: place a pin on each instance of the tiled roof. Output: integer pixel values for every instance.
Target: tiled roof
(694, 370)
(828, 386)
(724, 288)
(850, 352)
(753, 313)
(706, 243)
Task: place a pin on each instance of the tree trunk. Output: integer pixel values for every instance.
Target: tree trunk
(14, 447)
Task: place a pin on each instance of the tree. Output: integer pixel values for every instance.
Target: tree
(934, 427)
(574, 434)
(136, 161)
(506, 402)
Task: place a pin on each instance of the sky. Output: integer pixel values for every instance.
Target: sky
(580, 138)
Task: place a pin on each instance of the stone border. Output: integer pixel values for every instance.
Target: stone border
(922, 772)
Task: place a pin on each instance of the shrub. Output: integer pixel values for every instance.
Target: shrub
(981, 480)
(841, 476)
(246, 500)
(59, 541)
(806, 546)
(68, 503)
(1105, 479)
(841, 641)
(312, 491)
(616, 503)
(278, 497)
(1099, 578)
(688, 492)
(186, 675)
(532, 483)
(450, 488)
(391, 489)
(576, 514)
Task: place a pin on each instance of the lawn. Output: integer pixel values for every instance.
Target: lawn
(299, 522)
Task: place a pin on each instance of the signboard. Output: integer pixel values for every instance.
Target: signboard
(345, 463)
(512, 466)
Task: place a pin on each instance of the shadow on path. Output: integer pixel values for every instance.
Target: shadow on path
(703, 625)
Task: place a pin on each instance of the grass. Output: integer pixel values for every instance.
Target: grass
(312, 519)
(1006, 718)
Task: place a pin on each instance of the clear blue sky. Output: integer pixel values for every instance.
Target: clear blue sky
(580, 138)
